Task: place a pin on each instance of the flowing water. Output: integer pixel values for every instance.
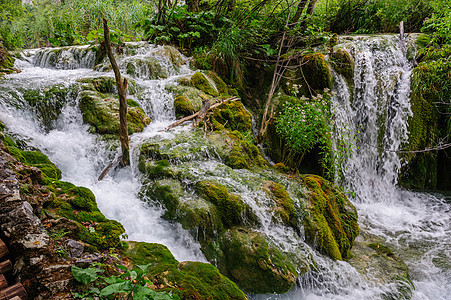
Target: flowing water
(372, 115)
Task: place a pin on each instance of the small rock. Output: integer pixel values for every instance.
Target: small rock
(75, 248)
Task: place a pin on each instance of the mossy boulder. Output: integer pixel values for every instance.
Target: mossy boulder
(331, 225)
(201, 218)
(35, 159)
(65, 200)
(102, 110)
(78, 204)
(147, 67)
(230, 206)
(232, 115)
(48, 102)
(192, 98)
(168, 192)
(343, 64)
(254, 263)
(201, 82)
(188, 280)
(379, 265)
(174, 56)
(183, 107)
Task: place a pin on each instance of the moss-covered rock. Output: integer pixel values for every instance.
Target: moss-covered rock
(316, 72)
(331, 225)
(230, 206)
(48, 102)
(65, 200)
(102, 110)
(343, 63)
(254, 263)
(201, 218)
(172, 54)
(168, 192)
(188, 280)
(202, 82)
(191, 95)
(233, 116)
(428, 125)
(147, 67)
(183, 107)
(379, 265)
(78, 204)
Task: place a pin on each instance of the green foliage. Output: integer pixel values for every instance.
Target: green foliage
(130, 284)
(63, 23)
(304, 123)
(372, 16)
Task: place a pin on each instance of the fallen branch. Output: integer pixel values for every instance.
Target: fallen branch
(113, 164)
(200, 115)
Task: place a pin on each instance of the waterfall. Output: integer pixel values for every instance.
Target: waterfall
(375, 114)
(371, 116)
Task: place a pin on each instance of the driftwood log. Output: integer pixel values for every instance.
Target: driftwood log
(3, 282)
(200, 115)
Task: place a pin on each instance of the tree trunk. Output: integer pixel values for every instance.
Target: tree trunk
(122, 90)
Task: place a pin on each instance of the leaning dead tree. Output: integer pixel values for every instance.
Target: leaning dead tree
(122, 90)
(124, 159)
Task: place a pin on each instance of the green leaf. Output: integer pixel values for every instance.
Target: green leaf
(85, 276)
(121, 287)
(113, 279)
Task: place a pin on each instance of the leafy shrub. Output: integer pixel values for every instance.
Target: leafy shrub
(130, 284)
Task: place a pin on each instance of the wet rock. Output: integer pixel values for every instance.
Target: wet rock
(255, 264)
(75, 248)
(378, 265)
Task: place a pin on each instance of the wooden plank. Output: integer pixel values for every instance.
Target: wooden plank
(16, 290)
(5, 266)
(3, 282)
(3, 249)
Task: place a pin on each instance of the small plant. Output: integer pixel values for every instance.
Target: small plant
(130, 284)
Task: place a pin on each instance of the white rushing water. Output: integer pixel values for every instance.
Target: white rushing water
(371, 114)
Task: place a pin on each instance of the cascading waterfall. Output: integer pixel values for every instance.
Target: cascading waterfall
(371, 115)
(375, 113)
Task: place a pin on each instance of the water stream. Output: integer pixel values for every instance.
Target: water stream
(374, 112)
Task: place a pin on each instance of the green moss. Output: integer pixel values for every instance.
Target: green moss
(168, 192)
(230, 206)
(284, 208)
(147, 67)
(201, 82)
(102, 111)
(201, 218)
(317, 73)
(427, 126)
(233, 116)
(35, 159)
(6, 61)
(183, 107)
(173, 54)
(48, 102)
(255, 264)
(188, 280)
(343, 63)
(332, 221)
(79, 204)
